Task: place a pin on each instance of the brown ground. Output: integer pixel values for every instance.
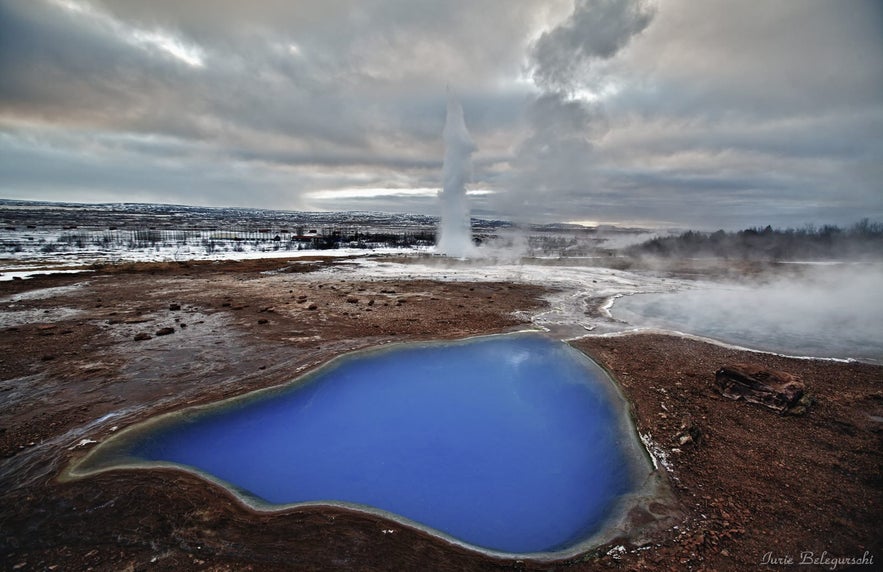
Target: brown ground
(754, 482)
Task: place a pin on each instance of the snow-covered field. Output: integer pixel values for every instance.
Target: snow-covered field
(830, 310)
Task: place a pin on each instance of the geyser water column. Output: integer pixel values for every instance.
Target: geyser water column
(455, 229)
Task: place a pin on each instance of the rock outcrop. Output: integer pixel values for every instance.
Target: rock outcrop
(777, 390)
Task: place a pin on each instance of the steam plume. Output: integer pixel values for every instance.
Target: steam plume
(455, 230)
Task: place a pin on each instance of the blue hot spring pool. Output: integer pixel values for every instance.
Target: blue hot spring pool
(512, 443)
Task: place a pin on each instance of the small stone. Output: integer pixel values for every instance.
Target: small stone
(165, 331)
(141, 336)
(312, 307)
(174, 307)
(263, 321)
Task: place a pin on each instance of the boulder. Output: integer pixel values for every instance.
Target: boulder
(777, 390)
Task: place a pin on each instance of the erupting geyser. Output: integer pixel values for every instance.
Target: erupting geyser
(455, 229)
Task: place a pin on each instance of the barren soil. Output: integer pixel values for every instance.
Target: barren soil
(751, 483)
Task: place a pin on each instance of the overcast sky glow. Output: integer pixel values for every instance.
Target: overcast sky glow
(670, 113)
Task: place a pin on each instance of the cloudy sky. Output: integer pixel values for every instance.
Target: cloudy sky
(669, 113)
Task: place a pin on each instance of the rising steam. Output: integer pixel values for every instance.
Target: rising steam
(455, 230)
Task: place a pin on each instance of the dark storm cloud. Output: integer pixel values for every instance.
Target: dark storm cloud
(594, 109)
(291, 84)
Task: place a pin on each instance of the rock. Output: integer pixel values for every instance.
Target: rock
(174, 307)
(263, 321)
(352, 300)
(140, 337)
(688, 432)
(165, 331)
(777, 390)
(312, 307)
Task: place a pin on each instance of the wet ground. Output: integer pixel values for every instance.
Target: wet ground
(82, 356)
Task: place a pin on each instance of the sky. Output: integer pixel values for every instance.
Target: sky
(668, 113)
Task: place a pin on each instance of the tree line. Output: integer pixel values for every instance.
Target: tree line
(864, 239)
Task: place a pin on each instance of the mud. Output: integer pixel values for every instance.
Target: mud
(72, 373)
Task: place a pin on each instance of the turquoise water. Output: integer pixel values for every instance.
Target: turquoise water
(510, 443)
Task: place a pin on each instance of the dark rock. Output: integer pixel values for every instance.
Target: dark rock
(312, 307)
(777, 390)
(263, 321)
(165, 331)
(141, 336)
(174, 307)
(352, 300)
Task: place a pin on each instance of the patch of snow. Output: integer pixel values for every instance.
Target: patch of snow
(82, 443)
(12, 318)
(43, 293)
(25, 274)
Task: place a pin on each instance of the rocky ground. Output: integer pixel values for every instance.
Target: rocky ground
(84, 355)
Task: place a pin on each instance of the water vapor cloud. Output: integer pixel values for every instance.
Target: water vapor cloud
(555, 161)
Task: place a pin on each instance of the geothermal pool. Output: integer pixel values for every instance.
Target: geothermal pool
(515, 443)
(830, 316)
